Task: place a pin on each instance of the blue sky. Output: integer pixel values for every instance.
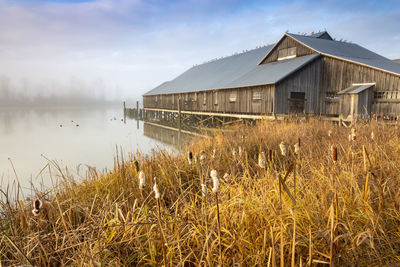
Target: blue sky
(123, 48)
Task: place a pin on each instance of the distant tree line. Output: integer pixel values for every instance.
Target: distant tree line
(73, 93)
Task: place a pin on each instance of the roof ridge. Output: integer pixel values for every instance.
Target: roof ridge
(233, 55)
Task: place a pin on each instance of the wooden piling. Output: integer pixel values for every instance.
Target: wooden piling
(179, 113)
(137, 109)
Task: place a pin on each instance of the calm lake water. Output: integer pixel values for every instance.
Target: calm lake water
(73, 137)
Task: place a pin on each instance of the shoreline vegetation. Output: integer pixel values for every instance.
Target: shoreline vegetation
(274, 194)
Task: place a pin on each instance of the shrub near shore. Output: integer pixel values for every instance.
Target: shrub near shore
(295, 205)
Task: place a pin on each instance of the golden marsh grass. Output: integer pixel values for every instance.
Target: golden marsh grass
(335, 201)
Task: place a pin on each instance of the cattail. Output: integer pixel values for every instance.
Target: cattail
(282, 146)
(233, 152)
(142, 180)
(261, 160)
(352, 136)
(202, 156)
(240, 152)
(155, 189)
(190, 157)
(214, 153)
(226, 176)
(215, 180)
(372, 135)
(296, 148)
(269, 154)
(334, 153)
(136, 163)
(330, 133)
(204, 190)
(37, 205)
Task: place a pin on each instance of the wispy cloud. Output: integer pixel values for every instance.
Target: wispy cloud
(134, 45)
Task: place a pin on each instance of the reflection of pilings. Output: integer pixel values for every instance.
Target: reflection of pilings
(188, 120)
(168, 135)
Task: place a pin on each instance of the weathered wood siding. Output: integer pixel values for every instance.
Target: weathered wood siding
(306, 80)
(218, 100)
(288, 42)
(339, 74)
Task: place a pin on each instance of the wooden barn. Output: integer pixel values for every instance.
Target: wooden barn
(310, 74)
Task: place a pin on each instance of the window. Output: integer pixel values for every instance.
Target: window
(298, 95)
(287, 53)
(173, 99)
(195, 97)
(215, 98)
(160, 98)
(331, 95)
(156, 98)
(387, 95)
(186, 97)
(291, 52)
(204, 98)
(233, 96)
(256, 95)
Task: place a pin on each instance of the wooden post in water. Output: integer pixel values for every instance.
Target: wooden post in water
(179, 114)
(137, 110)
(124, 111)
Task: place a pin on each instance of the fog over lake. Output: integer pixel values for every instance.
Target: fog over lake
(72, 137)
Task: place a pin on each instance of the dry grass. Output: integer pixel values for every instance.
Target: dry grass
(347, 211)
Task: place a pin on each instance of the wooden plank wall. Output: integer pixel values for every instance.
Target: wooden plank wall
(244, 101)
(339, 74)
(305, 80)
(288, 42)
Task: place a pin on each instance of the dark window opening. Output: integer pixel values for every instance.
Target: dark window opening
(296, 102)
(331, 95)
(298, 95)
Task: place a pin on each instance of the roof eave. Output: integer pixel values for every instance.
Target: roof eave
(344, 59)
(361, 64)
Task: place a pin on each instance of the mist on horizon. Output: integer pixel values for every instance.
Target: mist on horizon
(96, 51)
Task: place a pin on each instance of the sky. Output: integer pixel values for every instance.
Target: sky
(119, 49)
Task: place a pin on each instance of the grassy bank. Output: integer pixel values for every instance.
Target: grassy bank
(299, 208)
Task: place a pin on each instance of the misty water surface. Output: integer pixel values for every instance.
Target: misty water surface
(27, 136)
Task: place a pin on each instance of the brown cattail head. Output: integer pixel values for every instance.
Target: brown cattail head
(269, 154)
(190, 155)
(136, 163)
(299, 141)
(37, 205)
(334, 153)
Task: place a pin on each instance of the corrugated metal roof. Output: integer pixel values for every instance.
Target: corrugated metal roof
(272, 72)
(213, 75)
(348, 51)
(356, 88)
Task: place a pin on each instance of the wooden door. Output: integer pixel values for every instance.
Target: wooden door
(297, 102)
